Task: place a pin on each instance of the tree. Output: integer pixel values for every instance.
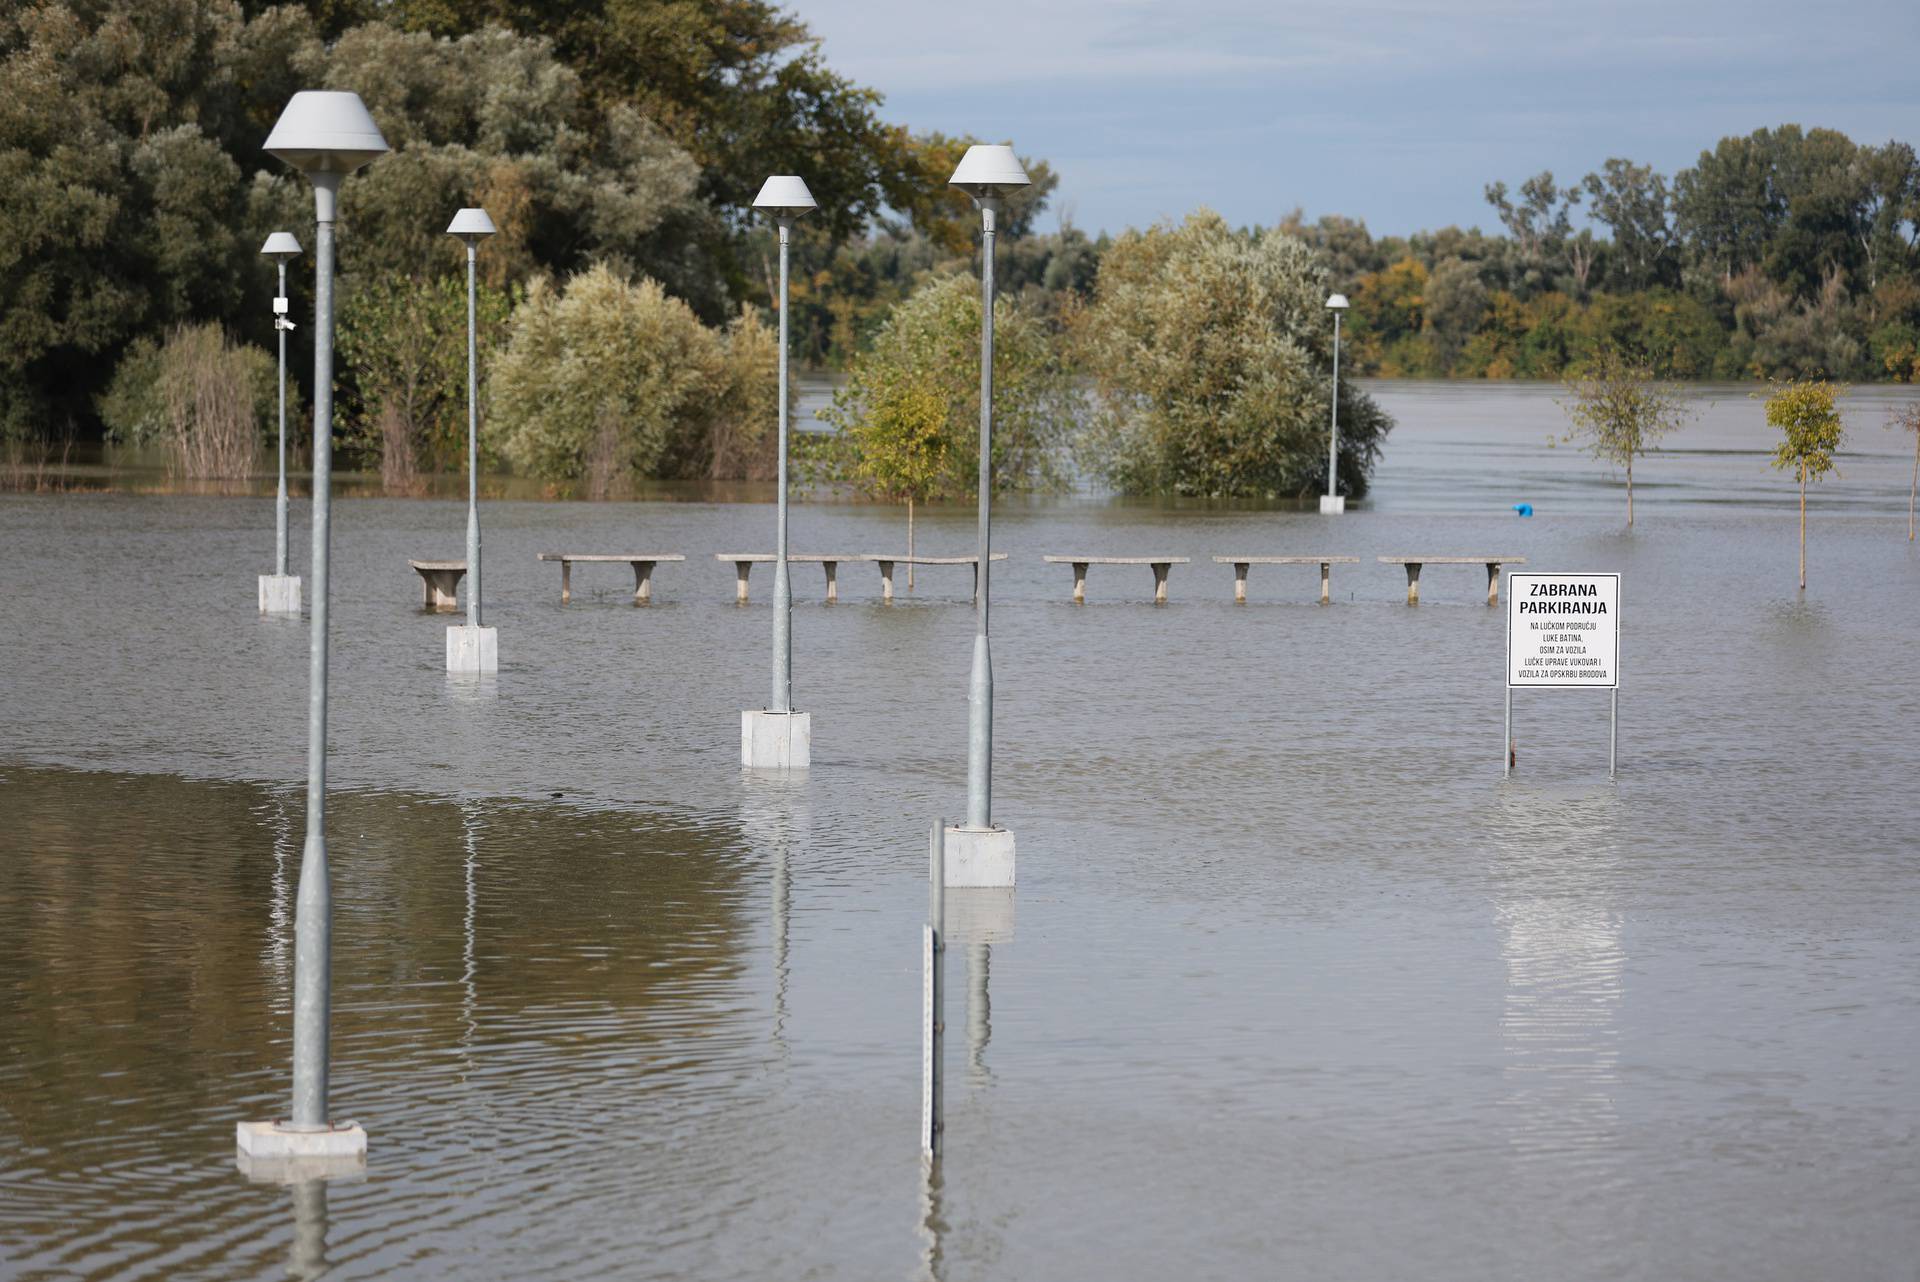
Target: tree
(932, 341)
(1632, 201)
(1809, 424)
(900, 450)
(1621, 411)
(1210, 353)
(1906, 418)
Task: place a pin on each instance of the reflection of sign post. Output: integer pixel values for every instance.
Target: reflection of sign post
(1563, 633)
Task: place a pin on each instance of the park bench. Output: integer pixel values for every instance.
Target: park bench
(887, 563)
(440, 584)
(743, 563)
(642, 563)
(1493, 564)
(1241, 564)
(1160, 564)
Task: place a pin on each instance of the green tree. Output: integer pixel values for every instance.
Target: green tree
(1210, 352)
(899, 450)
(1621, 411)
(932, 342)
(1809, 423)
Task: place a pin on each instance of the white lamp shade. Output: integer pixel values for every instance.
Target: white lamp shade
(1337, 302)
(471, 225)
(989, 169)
(326, 132)
(281, 246)
(785, 194)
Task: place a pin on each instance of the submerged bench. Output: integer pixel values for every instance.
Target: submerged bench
(743, 563)
(1493, 564)
(642, 563)
(888, 562)
(1160, 564)
(1241, 564)
(440, 584)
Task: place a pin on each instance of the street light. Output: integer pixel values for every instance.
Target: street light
(980, 854)
(326, 136)
(472, 648)
(780, 738)
(280, 591)
(1332, 503)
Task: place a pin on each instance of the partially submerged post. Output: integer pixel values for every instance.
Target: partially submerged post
(326, 136)
(280, 591)
(1332, 503)
(472, 648)
(934, 997)
(983, 853)
(778, 738)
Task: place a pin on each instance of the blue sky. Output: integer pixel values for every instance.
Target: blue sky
(1398, 112)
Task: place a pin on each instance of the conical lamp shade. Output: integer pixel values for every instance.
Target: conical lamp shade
(326, 132)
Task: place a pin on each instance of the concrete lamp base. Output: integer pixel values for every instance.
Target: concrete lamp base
(776, 740)
(276, 1141)
(473, 650)
(279, 594)
(1332, 504)
(979, 857)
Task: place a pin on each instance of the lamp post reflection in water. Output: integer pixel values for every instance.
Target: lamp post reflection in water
(308, 1258)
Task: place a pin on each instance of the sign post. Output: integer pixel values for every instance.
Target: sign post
(933, 1014)
(1563, 633)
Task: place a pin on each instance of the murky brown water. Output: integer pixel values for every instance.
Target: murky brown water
(1294, 984)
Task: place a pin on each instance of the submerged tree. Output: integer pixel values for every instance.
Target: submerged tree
(900, 450)
(1621, 411)
(1907, 419)
(1809, 424)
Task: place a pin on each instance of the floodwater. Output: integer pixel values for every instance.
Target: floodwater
(1294, 983)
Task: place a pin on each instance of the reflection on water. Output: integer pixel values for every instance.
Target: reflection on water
(933, 1224)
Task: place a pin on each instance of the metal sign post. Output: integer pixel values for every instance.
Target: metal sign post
(933, 995)
(1563, 633)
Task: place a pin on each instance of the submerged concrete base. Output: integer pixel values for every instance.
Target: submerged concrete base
(1332, 504)
(261, 1141)
(279, 594)
(471, 649)
(295, 1171)
(979, 857)
(776, 740)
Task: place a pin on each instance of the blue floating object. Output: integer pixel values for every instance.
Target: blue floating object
(1524, 509)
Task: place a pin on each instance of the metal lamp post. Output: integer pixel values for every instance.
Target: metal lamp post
(780, 738)
(326, 136)
(472, 648)
(978, 852)
(1332, 503)
(280, 591)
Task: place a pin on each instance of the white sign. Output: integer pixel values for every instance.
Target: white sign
(1563, 631)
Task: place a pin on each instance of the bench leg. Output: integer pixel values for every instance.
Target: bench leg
(1493, 583)
(833, 582)
(1160, 570)
(741, 569)
(886, 582)
(1413, 583)
(443, 590)
(566, 582)
(1079, 582)
(426, 593)
(1240, 569)
(1326, 582)
(642, 582)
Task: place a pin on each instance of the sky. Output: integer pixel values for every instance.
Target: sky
(1398, 113)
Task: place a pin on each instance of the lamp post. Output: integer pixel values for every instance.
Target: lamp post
(472, 648)
(1332, 503)
(280, 591)
(780, 738)
(980, 854)
(326, 136)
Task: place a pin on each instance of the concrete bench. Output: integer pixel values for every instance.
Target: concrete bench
(1413, 564)
(440, 584)
(642, 563)
(1160, 564)
(743, 563)
(887, 563)
(1241, 564)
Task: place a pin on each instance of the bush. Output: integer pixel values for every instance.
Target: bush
(1210, 351)
(200, 395)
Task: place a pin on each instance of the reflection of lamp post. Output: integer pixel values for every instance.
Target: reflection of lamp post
(279, 591)
(326, 136)
(780, 738)
(1333, 503)
(472, 648)
(979, 853)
